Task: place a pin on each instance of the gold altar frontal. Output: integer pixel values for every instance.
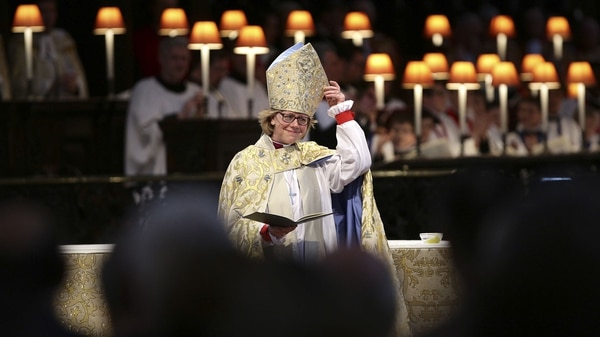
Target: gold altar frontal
(429, 285)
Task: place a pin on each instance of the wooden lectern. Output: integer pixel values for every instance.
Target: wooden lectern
(200, 146)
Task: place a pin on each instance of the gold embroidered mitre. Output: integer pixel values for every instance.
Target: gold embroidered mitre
(295, 80)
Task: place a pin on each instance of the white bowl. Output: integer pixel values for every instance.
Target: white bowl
(431, 237)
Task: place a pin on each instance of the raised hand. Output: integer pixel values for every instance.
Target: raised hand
(333, 94)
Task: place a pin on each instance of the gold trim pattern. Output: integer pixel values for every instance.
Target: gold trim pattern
(80, 304)
(429, 287)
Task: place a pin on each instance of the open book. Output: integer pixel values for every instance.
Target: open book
(282, 221)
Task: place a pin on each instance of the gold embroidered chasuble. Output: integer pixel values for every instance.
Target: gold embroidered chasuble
(248, 184)
(246, 188)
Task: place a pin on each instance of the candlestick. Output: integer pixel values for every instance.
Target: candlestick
(462, 115)
(110, 70)
(418, 98)
(581, 107)
(503, 91)
(28, 35)
(379, 92)
(544, 106)
(489, 88)
(250, 64)
(205, 60)
(557, 42)
(501, 40)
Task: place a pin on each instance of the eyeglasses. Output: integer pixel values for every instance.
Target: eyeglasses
(289, 118)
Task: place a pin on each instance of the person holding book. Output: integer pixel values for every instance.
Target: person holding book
(283, 175)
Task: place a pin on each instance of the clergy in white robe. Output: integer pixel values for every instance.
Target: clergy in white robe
(153, 99)
(283, 175)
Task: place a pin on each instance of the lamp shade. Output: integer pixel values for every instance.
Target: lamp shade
(438, 64)
(437, 24)
(505, 73)
(357, 27)
(205, 34)
(28, 16)
(558, 25)
(463, 73)
(379, 64)
(299, 20)
(502, 24)
(173, 22)
(109, 18)
(417, 72)
(529, 62)
(581, 72)
(251, 40)
(486, 62)
(231, 23)
(357, 21)
(544, 73)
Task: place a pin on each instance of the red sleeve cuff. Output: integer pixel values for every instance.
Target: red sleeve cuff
(264, 233)
(344, 117)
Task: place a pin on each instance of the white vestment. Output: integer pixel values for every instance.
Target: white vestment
(150, 102)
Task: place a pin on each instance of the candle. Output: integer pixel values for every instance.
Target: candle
(501, 40)
(205, 63)
(489, 88)
(557, 41)
(544, 106)
(462, 109)
(418, 95)
(581, 105)
(250, 64)
(379, 93)
(503, 91)
(28, 52)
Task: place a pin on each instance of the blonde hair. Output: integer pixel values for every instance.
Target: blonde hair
(265, 117)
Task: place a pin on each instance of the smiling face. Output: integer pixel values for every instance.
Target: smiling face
(288, 132)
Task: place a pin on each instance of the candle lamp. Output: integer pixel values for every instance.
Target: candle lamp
(378, 69)
(204, 37)
(528, 63)
(28, 20)
(544, 78)
(109, 22)
(231, 22)
(251, 42)
(299, 25)
(580, 74)
(462, 78)
(504, 74)
(173, 22)
(438, 64)
(417, 76)
(437, 27)
(558, 30)
(357, 27)
(485, 64)
(502, 27)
